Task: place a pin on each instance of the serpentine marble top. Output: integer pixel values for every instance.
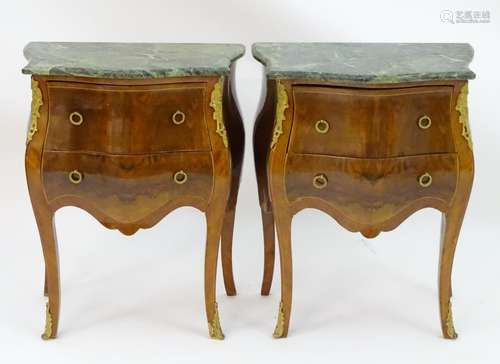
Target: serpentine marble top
(366, 62)
(130, 60)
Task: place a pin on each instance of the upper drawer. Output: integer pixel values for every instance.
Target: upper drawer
(127, 119)
(372, 123)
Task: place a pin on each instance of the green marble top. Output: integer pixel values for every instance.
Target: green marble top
(366, 62)
(130, 60)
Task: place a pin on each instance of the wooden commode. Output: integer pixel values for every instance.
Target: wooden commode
(130, 132)
(369, 134)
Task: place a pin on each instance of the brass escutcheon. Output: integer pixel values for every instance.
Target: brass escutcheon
(75, 177)
(76, 118)
(180, 177)
(322, 126)
(178, 117)
(425, 180)
(320, 181)
(424, 122)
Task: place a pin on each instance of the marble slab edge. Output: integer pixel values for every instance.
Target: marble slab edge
(219, 63)
(376, 77)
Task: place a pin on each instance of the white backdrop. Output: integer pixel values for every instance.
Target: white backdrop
(140, 298)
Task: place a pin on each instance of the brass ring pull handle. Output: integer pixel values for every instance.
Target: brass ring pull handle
(425, 180)
(178, 117)
(320, 181)
(424, 122)
(76, 118)
(180, 177)
(322, 126)
(75, 177)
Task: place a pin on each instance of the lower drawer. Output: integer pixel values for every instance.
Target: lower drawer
(127, 188)
(370, 191)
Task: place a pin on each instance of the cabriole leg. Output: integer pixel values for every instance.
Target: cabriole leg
(45, 222)
(450, 230)
(214, 226)
(283, 225)
(269, 246)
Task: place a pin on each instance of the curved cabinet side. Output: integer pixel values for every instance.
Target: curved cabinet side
(262, 136)
(236, 135)
(44, 215)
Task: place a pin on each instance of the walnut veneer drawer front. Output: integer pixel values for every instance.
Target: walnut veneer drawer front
(127, 188)
(357, 122)
(371, 191)
(127, 119)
